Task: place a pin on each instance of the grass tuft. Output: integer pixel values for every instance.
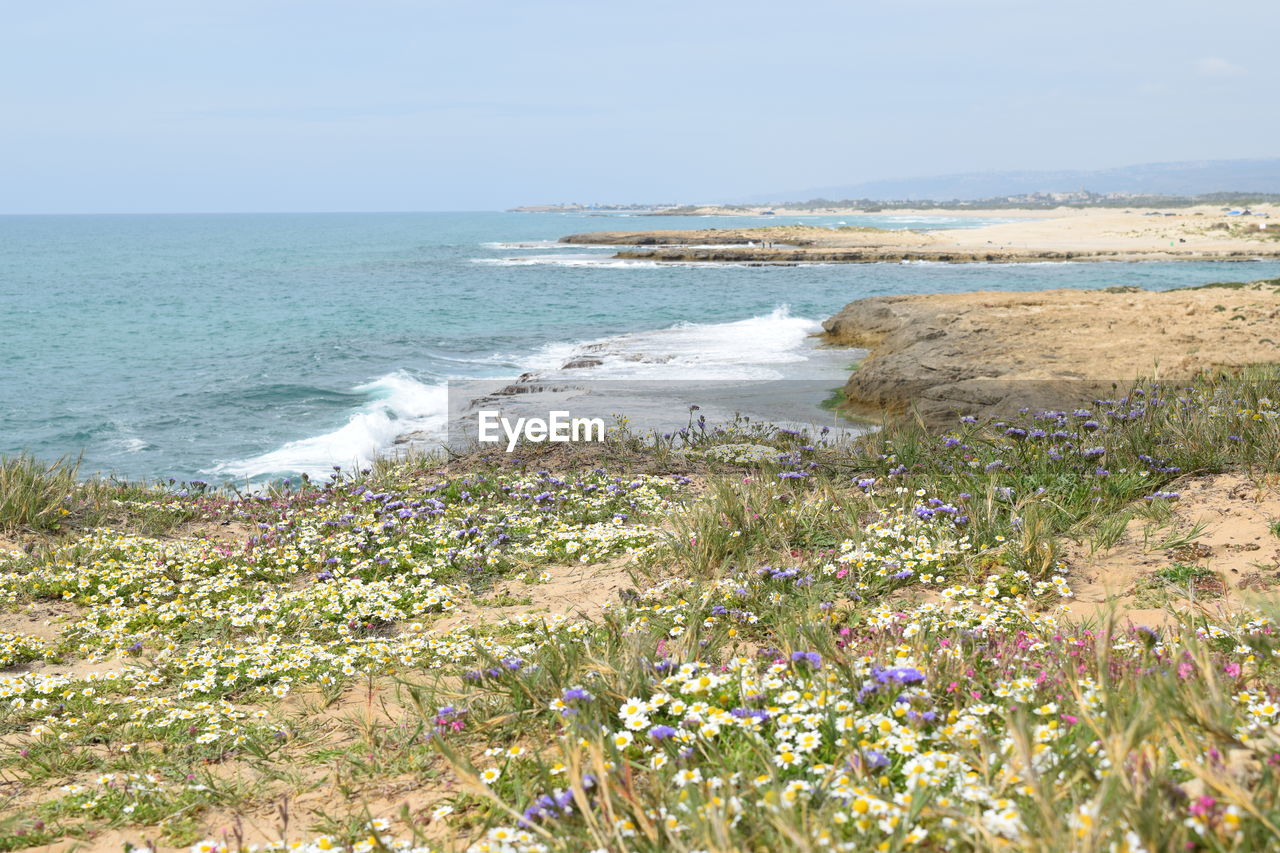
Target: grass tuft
(34, 495)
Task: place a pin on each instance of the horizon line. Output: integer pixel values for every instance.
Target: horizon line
(246, 212)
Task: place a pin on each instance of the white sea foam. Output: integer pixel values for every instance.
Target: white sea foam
(772, 346)
(610, 262)
(533, 244)
(563, 261)
(400, 404)
(768, 367)
(127, 444)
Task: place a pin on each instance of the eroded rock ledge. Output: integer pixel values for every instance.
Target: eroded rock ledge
(995, 353)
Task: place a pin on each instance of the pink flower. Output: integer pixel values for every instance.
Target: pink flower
(1232, 669)
(1202, 805)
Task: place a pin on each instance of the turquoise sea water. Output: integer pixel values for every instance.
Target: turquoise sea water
(240, 346)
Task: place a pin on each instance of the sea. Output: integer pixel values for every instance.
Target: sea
(241, 348)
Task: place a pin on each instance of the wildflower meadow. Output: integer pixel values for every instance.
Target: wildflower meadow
(736, 637)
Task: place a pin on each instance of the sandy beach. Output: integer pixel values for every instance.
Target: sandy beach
(1196, 233)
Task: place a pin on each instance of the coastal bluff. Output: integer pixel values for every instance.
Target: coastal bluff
(994, 353)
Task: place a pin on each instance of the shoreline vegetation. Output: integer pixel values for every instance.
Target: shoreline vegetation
(1050, 629)
(1192, 233)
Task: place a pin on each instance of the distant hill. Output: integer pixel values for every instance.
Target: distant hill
(1180, 179)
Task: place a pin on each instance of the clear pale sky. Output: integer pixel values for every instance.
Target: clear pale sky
(268, 105)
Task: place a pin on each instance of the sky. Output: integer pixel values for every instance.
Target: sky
(146, 106)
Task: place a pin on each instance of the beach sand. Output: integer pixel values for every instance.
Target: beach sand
(1196, 233)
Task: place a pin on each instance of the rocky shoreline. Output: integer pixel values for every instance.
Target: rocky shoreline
(792, 256)
(944, 355)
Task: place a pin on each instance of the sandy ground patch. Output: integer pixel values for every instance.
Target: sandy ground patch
(1236, 549)
(579, 590)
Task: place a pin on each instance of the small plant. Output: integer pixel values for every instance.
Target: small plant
(1179, 580)
(1108, 532)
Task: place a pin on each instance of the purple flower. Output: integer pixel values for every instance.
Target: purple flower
(661, 732)
(874, 758)
(755, 713)
(813, 659)
(900, 675)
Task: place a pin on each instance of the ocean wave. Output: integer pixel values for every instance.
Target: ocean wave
(132, 445)
(400, 404)
(769, 367)
(561, 261)
(770, 346)
(284, 392)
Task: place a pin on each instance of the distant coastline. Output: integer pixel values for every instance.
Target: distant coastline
(1016, 204)
(1200, 233)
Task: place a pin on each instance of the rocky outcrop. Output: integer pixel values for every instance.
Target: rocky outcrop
(760, 239)
(995, 353)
